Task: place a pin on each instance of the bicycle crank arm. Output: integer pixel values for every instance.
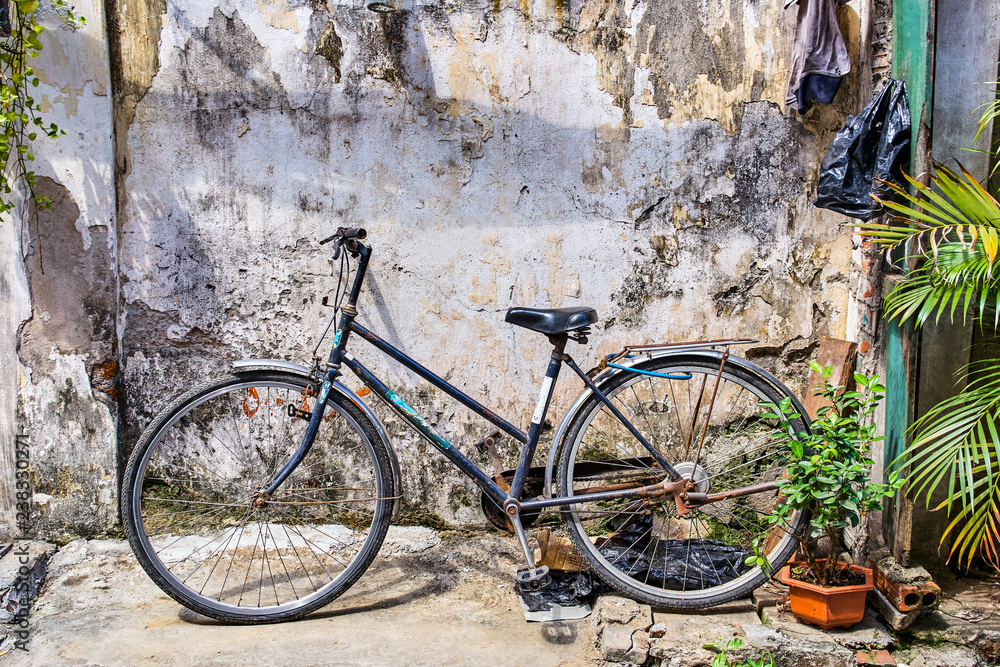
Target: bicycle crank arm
(698, 499)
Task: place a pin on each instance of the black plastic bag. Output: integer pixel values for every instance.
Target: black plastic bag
(567, 589)
(872, 146)
(685, 565)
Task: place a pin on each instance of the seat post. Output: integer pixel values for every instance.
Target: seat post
(541, 408)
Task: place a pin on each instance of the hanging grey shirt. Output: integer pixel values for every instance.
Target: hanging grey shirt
(819, 55)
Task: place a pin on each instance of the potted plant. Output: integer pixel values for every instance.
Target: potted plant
(829, 475)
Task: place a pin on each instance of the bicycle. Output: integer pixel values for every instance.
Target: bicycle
(263, 495)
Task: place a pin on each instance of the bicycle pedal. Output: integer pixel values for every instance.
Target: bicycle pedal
(530, 581)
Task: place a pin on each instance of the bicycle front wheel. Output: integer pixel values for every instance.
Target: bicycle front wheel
(199, 527)
(710, 426)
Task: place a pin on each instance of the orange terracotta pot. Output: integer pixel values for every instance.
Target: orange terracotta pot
(837, 607)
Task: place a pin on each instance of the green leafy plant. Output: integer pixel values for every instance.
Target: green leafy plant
(828, 469)
(21, 117)
(722, 660)
(953, 229)
(990, 113)
(950, 231)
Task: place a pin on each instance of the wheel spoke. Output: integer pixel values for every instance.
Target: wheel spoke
(711, 428)
(192, 484)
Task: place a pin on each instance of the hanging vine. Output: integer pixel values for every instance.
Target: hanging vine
(21, 118)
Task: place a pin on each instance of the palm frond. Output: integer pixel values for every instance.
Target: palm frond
(989, 116)
(960, 211)
(956, 447)
(952, 229)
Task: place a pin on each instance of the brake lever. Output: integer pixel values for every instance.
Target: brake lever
(337, 249)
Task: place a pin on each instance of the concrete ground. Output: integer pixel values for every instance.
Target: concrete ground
(447, 599)
(427, 600)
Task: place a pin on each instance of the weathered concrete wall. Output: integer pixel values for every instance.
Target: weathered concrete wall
(626, 155)
(629, 156)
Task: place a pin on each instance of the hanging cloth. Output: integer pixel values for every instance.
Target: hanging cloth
(819, 55)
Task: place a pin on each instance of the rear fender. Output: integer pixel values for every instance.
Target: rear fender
(608, 373)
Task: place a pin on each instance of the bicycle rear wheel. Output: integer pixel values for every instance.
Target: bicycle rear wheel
(196, 523)
(645, 548)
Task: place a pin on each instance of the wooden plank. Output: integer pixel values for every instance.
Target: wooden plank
(841, 355)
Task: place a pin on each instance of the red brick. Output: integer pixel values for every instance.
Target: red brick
(882, 657)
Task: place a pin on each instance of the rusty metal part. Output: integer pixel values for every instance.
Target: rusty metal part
(711, 404)
(679, 489)
(532, 488)
(303, 412)
(260, 499)
(652, 347)
(922, 596)
(488, 445)
(299, 413)
(694, 418)
(622, 486)
(691, 343)
(664, 489)
(511, 507)
(698, 499)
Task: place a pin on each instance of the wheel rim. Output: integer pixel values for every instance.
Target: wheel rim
(197, 521)
(647, 541)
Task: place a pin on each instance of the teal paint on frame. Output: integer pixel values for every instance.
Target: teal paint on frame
(337, 337)
(420, 422)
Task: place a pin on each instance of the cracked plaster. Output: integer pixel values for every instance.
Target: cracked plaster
(626, 155)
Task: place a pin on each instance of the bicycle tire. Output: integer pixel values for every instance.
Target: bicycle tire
(646, 550)
(188, 499)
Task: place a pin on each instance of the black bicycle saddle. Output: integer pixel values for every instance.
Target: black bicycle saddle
(552, 320)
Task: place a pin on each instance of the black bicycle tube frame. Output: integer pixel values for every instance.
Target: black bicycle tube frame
(537, 419)
(339, 355)
(420, 424)
(441, 384)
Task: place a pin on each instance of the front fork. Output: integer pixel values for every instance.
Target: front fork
(347, 314)
(307, 441)
(332, 372)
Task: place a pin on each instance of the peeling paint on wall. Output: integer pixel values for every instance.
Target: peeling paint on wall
(68, 397)
(59, 387)
(625, 155)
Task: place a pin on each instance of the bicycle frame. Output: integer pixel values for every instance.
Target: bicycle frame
(510, 500)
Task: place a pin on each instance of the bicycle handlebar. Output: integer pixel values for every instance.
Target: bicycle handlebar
(346, 237)
(346, 234)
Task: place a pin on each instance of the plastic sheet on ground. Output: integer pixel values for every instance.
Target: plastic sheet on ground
(688, 565)
(565, 598)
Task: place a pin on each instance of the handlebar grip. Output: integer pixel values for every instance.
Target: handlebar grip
(346, 234)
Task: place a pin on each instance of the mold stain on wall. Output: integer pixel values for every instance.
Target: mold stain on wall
(631, 156)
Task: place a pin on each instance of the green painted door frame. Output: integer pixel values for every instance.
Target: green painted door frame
(913, 62)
